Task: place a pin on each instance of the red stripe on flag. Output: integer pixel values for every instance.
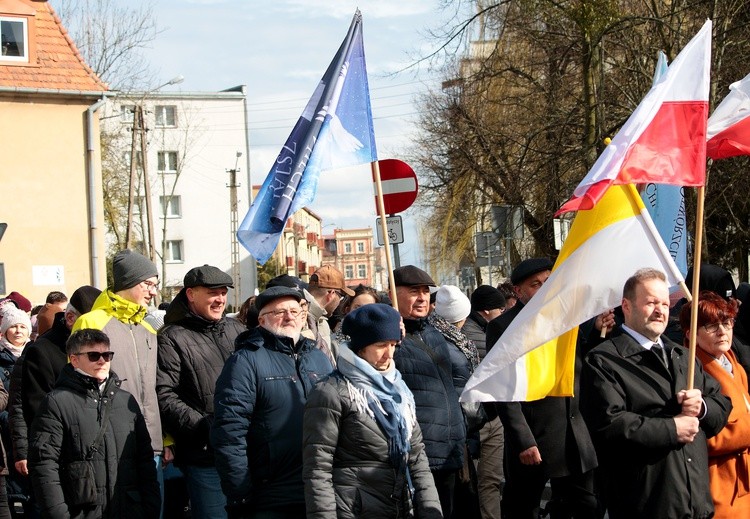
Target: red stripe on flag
(586, 201)
(730, 142)
(671, 150)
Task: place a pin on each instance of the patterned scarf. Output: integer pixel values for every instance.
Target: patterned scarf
(454, 335)
(385, 398)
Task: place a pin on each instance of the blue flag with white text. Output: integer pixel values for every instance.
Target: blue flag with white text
(334, 131)
(666, 205)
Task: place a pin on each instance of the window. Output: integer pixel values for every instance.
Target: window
(349, 271)
(347, 248)
(174, 251)
(361, 271)
(127, 113)
(15, 39)
(170, 206)
(165, 116)
(167, 161)
(360, 247)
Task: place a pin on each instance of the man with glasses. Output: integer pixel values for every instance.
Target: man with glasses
(119, 312)
(258, 406)
(89, 409)
(649, 430)
(324, 294)
(194, 344)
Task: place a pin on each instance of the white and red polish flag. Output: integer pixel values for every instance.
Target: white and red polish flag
(663, 141)
(729, 125)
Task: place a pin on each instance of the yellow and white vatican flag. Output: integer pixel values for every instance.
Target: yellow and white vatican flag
(535, 357)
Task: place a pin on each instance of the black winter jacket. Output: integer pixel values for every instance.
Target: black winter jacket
(192, 353)
(257, 428)
(67, 424)
(43, 360)
(425, 365)
(346, 469)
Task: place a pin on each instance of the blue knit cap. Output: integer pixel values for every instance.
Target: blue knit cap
(370, 324)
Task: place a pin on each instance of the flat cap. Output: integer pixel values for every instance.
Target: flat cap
(285, 280)
(328, 276)
(528, 268)
(207, 276)
(409, 276)
(273, 293)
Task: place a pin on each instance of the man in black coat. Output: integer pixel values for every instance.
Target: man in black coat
(37, 369)
(650, 432)
(425, 365)
(194, 344)
(545, 440)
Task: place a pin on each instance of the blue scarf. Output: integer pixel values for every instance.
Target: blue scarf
(383, 396)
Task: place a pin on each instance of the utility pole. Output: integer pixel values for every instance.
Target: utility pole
(131, 187)
(234, 223)
(147, 185)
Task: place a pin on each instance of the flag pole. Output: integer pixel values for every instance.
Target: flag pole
(375, 167)
(696, 280)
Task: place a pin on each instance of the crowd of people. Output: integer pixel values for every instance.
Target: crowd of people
(322, 400)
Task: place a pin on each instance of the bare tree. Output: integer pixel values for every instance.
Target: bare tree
(523, 114)
(111, 35)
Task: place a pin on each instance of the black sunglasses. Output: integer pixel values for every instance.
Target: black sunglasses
(94, 356)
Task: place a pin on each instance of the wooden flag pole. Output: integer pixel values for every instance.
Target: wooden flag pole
(375, 166)
(696, 279)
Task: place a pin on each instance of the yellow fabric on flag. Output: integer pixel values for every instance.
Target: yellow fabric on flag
(535, 357)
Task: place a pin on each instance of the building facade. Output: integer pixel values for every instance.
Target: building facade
(49, 157)
(353, 253)
(196, 162)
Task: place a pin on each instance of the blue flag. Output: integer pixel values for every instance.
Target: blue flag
(666, 205)
(334, 131)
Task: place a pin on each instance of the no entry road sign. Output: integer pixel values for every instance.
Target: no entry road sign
(399, 184)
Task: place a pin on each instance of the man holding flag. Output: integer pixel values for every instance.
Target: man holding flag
(650, 433)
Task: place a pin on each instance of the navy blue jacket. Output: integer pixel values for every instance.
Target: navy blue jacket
(258, 408)
(425, 365)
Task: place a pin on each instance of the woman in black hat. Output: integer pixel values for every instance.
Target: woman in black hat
(363, 454)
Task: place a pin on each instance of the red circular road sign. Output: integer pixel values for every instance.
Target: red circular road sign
(399, 184)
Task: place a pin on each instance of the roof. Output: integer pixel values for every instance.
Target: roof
(58, 64)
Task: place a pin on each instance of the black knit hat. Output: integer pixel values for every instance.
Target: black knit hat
(370, 324)
(410, 276)
(207, 276)
(486, 297)
(83, 298)
(528, 268)
(714, 279)
(273, 293)
(130, 268)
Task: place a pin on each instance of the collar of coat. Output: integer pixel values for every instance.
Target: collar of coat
(259, 337)
(121, 309)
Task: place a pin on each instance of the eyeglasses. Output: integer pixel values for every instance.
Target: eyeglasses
(150, 285)
(294, 313)
(94, 356)
(714, 327)
(338, 293)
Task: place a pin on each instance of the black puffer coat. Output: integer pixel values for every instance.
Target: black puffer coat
(67, 424)
(425, 365)
(192, 353)
(345, 461)
(257, 433)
